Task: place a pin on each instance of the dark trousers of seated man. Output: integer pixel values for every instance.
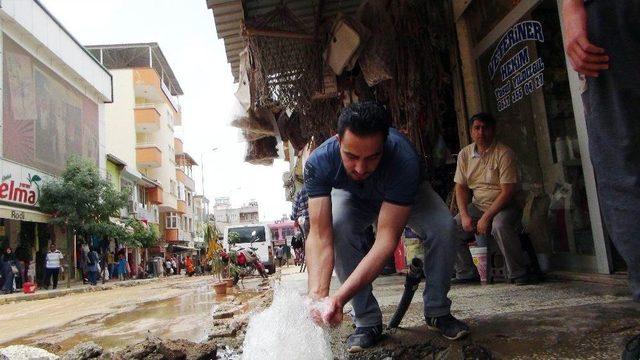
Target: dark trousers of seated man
(504, 230)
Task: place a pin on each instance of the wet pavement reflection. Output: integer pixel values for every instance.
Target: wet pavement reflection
(182, 317)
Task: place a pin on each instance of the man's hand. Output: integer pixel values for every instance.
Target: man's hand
(467, 222)
(328, 312)
(585, 58)
(333, 314)
(484, 225)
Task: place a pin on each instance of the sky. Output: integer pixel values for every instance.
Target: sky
(185, 31)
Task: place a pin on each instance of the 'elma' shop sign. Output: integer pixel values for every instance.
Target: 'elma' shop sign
(519, 74)
(20, 185)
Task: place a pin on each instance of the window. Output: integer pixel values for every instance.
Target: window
(172, 187)
(181, 192)
(288, 231)
(189, 198)
(245, 234)
(171, 220)
(142, 195)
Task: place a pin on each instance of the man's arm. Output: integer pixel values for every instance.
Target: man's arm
(462, 199)
(584, 57)
(319, 247)
(391, 223)
(503, 199)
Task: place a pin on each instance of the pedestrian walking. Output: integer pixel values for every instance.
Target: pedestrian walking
(9, 271)
(53, 263)
(111, 261)
(122, 268)
(93, 266)
(612, 103)
(279, 255)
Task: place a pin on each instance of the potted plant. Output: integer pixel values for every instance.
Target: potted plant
(219, 262)
(217, 257)
(234, 274)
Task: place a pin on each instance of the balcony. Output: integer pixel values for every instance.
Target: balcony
(182, 206)
(148, 156)
(147, 119)
(173, 235)
(148, 213)
(185, 179)
(155, 195)
(148, 85)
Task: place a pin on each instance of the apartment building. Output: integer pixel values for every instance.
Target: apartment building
(226, 215)
(141, 141)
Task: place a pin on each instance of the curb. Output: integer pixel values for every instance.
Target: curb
(50, 294)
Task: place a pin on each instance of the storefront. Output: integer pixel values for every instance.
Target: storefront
(22, 226)
(514, 67)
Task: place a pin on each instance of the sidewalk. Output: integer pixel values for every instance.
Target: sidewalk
(76, 288)
(556, 319)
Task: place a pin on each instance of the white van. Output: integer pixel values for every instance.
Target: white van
(254, 236)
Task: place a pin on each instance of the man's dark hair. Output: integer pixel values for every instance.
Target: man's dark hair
(486, 118)
(365, 118)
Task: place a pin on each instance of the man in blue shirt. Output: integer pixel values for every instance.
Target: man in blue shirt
(371, 173)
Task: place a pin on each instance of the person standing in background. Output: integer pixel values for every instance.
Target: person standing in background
(53, 263)
(611, 104)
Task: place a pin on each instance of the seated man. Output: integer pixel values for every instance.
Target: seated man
(488, 168)
(370, 173)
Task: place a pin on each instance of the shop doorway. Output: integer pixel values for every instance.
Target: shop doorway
(524, 83)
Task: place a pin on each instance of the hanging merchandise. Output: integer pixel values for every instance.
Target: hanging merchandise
(286, 60)
(347, 39)
(377, 61)
(329, 86)
(421, 80)
(320, 121)
(289, 127)
(243, 94)
(262, 151)
(256, 124)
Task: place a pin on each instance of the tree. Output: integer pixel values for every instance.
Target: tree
(82, 201)
(140, 236)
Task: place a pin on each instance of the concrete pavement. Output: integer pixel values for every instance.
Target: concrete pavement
(555, 319)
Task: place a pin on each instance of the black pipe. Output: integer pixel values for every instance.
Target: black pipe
(415, 275)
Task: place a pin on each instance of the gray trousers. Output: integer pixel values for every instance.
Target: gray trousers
(612, 107)
(429, 219)
(504, 230)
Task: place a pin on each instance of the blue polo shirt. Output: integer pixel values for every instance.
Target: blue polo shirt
(395, 180)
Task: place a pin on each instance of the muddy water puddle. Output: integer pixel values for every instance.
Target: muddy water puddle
(186, 316)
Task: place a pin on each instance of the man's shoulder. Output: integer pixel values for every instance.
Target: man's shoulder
(466, 152)
(323, 158)
(504, 150)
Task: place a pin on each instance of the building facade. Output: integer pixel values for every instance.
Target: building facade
(54, 93)
(201, 218)
(141, 126)
(514, 66)
(226, 215)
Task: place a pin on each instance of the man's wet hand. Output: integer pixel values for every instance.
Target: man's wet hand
(326, 311)
(332, 314)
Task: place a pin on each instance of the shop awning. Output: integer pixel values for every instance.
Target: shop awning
(14, 213)
(181, 248)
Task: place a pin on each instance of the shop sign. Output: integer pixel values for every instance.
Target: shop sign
(519, 75)
(20, 185)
